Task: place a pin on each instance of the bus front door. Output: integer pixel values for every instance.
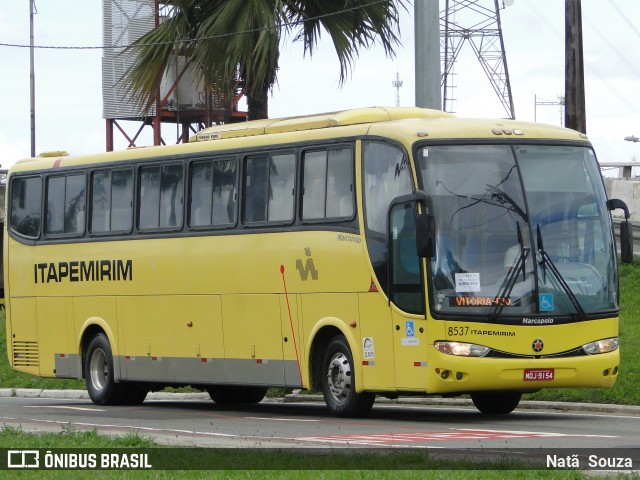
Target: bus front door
(406, 291)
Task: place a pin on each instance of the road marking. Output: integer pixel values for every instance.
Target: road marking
(519, 433)
(124, 427)
(448, 435)
(62, 407)
(283, 419)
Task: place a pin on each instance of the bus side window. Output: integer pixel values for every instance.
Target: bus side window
(225, 202)
(161, 197)
(213, 193)
(314, 192)
(66, 202)
(171, 196)
(328, 184)
(269, 188)
(148, 216)
(121, 200)
(282, 177)
(100, 202)
(111, 201)
(340, 179)
(25, 206)
(406, 281)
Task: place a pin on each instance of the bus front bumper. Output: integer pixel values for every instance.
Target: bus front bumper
(451, 374)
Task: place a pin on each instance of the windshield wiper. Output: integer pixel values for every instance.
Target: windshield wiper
(510, 280)
(544, 261)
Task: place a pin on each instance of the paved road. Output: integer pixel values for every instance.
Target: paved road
(195, 420)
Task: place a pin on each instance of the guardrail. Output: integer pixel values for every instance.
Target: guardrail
(625, 168)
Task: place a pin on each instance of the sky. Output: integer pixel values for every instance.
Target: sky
(68, 91)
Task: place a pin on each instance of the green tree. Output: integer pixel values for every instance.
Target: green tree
(227, 39)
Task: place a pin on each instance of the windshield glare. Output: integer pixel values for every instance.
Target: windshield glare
(490, 202)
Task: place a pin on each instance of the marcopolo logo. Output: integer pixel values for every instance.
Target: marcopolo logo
(537, 345)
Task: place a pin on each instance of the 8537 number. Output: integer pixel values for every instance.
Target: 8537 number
(457, 331)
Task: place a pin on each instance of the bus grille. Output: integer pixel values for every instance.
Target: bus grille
(25, 354)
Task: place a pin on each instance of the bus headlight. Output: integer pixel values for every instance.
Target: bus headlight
(601, 346)
(461, 349)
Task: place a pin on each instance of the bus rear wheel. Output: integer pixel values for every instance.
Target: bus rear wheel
(233, 395)
(338, 382)
(496, 403)
(135, 394)
(98, 371)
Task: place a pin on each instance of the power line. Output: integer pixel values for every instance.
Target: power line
(197, 39)
(625, 18)
(545, 20)
(613, 48)
(593, 70)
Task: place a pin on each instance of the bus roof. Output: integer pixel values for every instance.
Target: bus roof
(405, 124)
(315, 121)
(409, 121)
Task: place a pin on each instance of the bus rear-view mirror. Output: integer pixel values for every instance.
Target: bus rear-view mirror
(425, 235)
(626, 241)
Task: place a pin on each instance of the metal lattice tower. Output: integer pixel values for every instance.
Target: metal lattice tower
(181, 100)
(476, 22)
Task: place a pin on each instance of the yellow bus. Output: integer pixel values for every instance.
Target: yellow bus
(378, 251)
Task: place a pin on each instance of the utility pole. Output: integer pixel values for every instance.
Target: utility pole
(32, 80)
(427, 53)
(575, 112)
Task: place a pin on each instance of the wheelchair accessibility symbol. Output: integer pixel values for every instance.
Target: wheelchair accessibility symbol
(409, 328)
(546, 302)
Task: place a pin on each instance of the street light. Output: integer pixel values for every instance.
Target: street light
(632, 138)
(32, 78)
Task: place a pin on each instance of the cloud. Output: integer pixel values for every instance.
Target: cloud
(10, 152)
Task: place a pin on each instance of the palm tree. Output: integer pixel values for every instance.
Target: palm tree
(226, 39)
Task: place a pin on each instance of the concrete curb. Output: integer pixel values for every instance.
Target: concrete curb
(305, 397)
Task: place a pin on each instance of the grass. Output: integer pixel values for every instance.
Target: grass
(277, 465)
(626, 391)
(627, 388)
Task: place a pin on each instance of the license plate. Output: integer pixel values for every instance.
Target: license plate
(538, 374)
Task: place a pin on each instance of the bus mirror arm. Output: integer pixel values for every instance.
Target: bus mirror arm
(626, 230)
(422, 196)
(615, 203)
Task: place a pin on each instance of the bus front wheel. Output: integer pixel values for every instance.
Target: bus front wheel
(496, 403)
(98, 371)
(338, 382)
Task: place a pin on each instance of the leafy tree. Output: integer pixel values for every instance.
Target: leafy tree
(227, 39)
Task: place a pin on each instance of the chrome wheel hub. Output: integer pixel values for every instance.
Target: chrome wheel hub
(99, 369)
(339, 377)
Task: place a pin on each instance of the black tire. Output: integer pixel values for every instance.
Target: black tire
(135, 394)
(338, 382)
(98, 373)
(235, 395)
(496, 403)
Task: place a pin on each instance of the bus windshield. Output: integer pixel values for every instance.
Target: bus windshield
(521, 232)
